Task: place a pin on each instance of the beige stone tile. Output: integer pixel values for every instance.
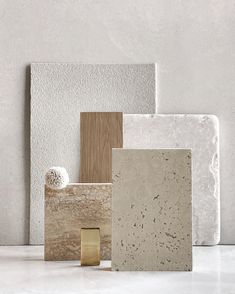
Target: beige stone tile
(151, 206)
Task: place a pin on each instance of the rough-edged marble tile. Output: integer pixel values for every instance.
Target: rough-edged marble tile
(59, 92)
(151, 209)
(200, 133)
(69, 210)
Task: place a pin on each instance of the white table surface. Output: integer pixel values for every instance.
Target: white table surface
(23, 270)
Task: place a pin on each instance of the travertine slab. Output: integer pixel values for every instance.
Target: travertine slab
(69, 210)
(151, 206)
(59, 92)
(99, 133)
(200, 133)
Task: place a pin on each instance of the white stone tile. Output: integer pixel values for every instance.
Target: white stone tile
(200, 133)
(152, 212)
(205, 100)
(59, 92)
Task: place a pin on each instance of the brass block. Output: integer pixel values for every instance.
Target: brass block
(90, 246)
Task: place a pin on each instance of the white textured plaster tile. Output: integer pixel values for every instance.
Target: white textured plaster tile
(59, 92)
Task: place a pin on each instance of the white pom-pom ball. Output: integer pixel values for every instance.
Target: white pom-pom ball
(57, 178)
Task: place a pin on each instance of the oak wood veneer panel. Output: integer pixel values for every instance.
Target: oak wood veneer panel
(69, 210)
(99, 133)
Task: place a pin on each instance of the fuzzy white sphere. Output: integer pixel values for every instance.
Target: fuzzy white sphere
(57, 178)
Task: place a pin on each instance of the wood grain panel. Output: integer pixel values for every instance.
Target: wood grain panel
(69, 210)
(99, 133)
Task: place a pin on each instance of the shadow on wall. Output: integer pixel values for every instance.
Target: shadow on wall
(27, 153)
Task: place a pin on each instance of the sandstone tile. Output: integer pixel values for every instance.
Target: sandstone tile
(151, 205)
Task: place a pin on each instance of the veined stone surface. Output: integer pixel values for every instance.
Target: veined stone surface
(199, 133)
(69, 210)
(151, 210)
(59, 92)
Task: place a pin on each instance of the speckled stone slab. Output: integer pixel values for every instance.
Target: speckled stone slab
(199, 133)
(69, 210)
(151, 205)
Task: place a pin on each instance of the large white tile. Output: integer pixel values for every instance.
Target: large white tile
(201, 134)
(223, 107)
(59, 92)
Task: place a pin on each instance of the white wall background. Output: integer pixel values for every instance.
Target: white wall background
(192, 41)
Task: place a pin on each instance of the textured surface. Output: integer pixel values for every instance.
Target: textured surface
(99, 133)
(213, 272)
(200, 133)
(56, 178)
(151, 210)
(69, 210)
(58, 93)
(192, 42)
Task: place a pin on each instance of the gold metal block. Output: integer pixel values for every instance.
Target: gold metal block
(90, 246)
